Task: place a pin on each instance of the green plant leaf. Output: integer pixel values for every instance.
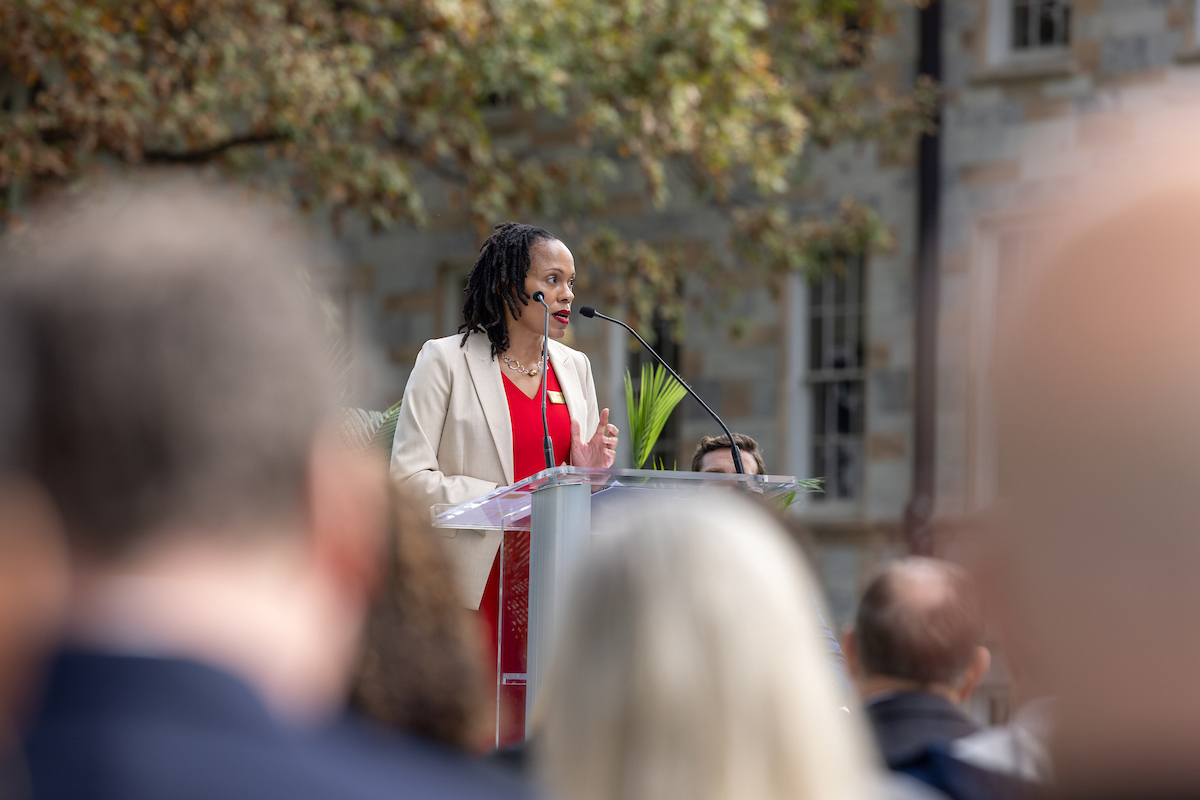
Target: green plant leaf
(341, 360)
(657, 397)
(358, 426)
(386, 433)
(805, 486)
(364, 429)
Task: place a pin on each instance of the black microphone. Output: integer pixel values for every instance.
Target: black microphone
(547, 443)
(590, 312)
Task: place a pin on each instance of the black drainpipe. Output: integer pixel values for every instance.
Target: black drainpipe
(919, 512)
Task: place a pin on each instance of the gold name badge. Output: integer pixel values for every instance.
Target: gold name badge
(556, 397)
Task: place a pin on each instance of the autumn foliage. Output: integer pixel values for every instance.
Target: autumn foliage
(384, 108)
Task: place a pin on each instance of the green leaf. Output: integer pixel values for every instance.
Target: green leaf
(805, 486)
(358, 426)
(364, 429)
(658, 395)
(386, 433)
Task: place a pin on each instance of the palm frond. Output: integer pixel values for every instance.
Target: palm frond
(358, 426)
(804, 486)
(341, 360)
(364, 429)
(386, 433)
(658, 395)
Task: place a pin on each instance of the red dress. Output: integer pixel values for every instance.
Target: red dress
(505, 604)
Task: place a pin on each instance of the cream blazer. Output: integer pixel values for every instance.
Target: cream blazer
(454, 437)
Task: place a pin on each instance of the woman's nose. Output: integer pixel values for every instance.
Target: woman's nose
(568, 294)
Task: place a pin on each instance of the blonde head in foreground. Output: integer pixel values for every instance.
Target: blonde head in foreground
(689, 667)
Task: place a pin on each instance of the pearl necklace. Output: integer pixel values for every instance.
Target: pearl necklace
(532, 372)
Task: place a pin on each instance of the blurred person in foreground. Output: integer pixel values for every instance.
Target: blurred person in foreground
(419, 670)
(714, 454)
(1099, 374)
(688, 667)
(225, 543)
(33, 563)
(916, 653)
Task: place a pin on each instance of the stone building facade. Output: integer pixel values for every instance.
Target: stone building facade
(824, 376)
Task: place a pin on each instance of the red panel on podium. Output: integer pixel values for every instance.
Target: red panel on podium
(513, 639)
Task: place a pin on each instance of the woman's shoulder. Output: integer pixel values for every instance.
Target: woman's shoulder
(568, 353)
(446, 346)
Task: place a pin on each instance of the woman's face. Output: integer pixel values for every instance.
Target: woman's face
(551, 271)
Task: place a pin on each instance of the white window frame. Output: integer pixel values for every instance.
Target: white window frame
(828, 504)
(1000, 51)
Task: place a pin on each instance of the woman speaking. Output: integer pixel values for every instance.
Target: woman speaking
(471, 418)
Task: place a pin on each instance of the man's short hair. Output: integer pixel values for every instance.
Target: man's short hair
(746, 445)
(919, 620)
(181, 368)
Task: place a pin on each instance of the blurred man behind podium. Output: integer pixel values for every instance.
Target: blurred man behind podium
(227, 545)
(714, 454)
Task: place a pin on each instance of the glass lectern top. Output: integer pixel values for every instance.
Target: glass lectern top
(508, 507)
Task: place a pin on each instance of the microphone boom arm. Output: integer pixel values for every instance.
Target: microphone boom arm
(733, 448)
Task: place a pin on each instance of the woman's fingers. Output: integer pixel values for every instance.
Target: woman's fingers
(603, 424)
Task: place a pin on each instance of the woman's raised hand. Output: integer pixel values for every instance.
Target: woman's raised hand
(600, 450)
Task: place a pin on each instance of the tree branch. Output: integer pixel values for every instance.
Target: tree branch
(437, 168)
(212, 151)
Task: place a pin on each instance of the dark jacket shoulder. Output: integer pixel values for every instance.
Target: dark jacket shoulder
(906, 724)
(138, 728)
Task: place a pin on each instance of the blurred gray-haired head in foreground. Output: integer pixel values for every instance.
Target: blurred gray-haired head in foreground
(180, 370)
(689, 666)
(183, 422)
(1100, 475)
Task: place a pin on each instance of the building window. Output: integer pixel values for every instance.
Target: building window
(1038, 24)
(836, 379)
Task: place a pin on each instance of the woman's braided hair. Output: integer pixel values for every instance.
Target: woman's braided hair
(498, 280)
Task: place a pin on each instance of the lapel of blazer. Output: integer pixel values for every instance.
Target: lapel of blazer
(489, 385)
(571, 384)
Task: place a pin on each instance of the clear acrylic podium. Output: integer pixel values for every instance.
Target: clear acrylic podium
(546, 521)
